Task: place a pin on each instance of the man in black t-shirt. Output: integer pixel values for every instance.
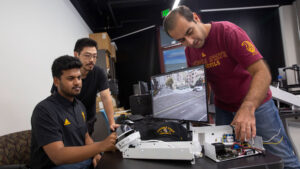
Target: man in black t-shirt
(94, 80)
(59, 133)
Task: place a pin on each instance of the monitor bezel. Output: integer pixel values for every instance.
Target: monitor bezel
(176, 71)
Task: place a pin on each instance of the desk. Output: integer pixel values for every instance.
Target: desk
(114, 160)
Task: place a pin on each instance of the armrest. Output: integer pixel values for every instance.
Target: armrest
(14, 166)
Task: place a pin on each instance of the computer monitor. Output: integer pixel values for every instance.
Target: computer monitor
(180, 95)
(140, 88)
(174, 58)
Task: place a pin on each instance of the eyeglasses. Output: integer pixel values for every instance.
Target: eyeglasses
(89, 56)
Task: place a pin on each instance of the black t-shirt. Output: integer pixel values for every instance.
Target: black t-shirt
(56, 119)
(95, 81)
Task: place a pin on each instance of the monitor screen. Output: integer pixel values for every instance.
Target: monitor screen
(180, 95)
(174, 58)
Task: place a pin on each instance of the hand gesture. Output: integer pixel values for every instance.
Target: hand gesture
(109, 142)
(244, 122)
(114, 126)
(96, 159)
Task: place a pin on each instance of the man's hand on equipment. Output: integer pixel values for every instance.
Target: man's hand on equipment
(114, 126)
(244, 122)
(109, 142)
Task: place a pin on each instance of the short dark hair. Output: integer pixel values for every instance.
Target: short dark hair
(65, 62)
(84, 42)
(171, 19)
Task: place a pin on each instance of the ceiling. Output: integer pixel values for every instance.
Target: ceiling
(119, 17)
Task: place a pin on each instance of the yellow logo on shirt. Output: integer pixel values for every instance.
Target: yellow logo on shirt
(67, 122)
(83, 116)
(203, 54)
(249, 47)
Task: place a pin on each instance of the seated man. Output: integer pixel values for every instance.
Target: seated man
(59, 133)
(94, 80)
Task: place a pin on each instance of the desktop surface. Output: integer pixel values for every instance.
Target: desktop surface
(114, 160)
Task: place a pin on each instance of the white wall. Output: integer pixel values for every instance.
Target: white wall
(290, 37)
(296, 5)
(32, 34)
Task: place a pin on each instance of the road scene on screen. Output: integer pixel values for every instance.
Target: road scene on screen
(180, 95)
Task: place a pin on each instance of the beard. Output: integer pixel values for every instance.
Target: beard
(70, 92)
(89, 67)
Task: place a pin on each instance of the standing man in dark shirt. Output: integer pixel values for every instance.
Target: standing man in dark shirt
(94, 80)
(59, 133)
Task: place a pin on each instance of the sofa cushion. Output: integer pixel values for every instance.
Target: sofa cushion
(15, 148)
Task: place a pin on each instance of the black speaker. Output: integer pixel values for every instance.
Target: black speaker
(141, 104)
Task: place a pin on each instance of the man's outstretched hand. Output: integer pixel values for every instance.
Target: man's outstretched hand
(244, 122)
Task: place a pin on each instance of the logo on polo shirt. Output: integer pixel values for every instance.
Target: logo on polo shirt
(203, 54)
(83, 116)
(249, 47)
(67, 122)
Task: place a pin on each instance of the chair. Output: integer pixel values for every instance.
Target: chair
(15, 150)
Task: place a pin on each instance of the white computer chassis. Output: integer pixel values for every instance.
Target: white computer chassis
(134, 148)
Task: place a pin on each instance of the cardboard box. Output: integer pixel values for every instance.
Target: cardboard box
(99, 104)
(107, 61)
(113, 52)
(102, 39)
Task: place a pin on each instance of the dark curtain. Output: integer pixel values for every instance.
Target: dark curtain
(138, 57)
(137, 60)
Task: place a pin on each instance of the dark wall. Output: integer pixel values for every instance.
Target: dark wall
(262, 26)
(137, 60)
(138, 57)
(197, 5)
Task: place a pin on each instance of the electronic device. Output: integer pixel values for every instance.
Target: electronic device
(218, 141)
(135, 117)
(140, 104)
(140, 88)
(131, 146)
(126, 136)
(174, 58)
(220, 144)
(180, 95)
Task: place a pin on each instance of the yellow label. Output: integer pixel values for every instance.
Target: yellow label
(83, 116)
(67, 122)
(249, 47)
(165, 130)
(203, 54)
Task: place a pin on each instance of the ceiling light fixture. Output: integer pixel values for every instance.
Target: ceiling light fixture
(175, 5)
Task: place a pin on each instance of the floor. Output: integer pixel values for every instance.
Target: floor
(294, 132)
